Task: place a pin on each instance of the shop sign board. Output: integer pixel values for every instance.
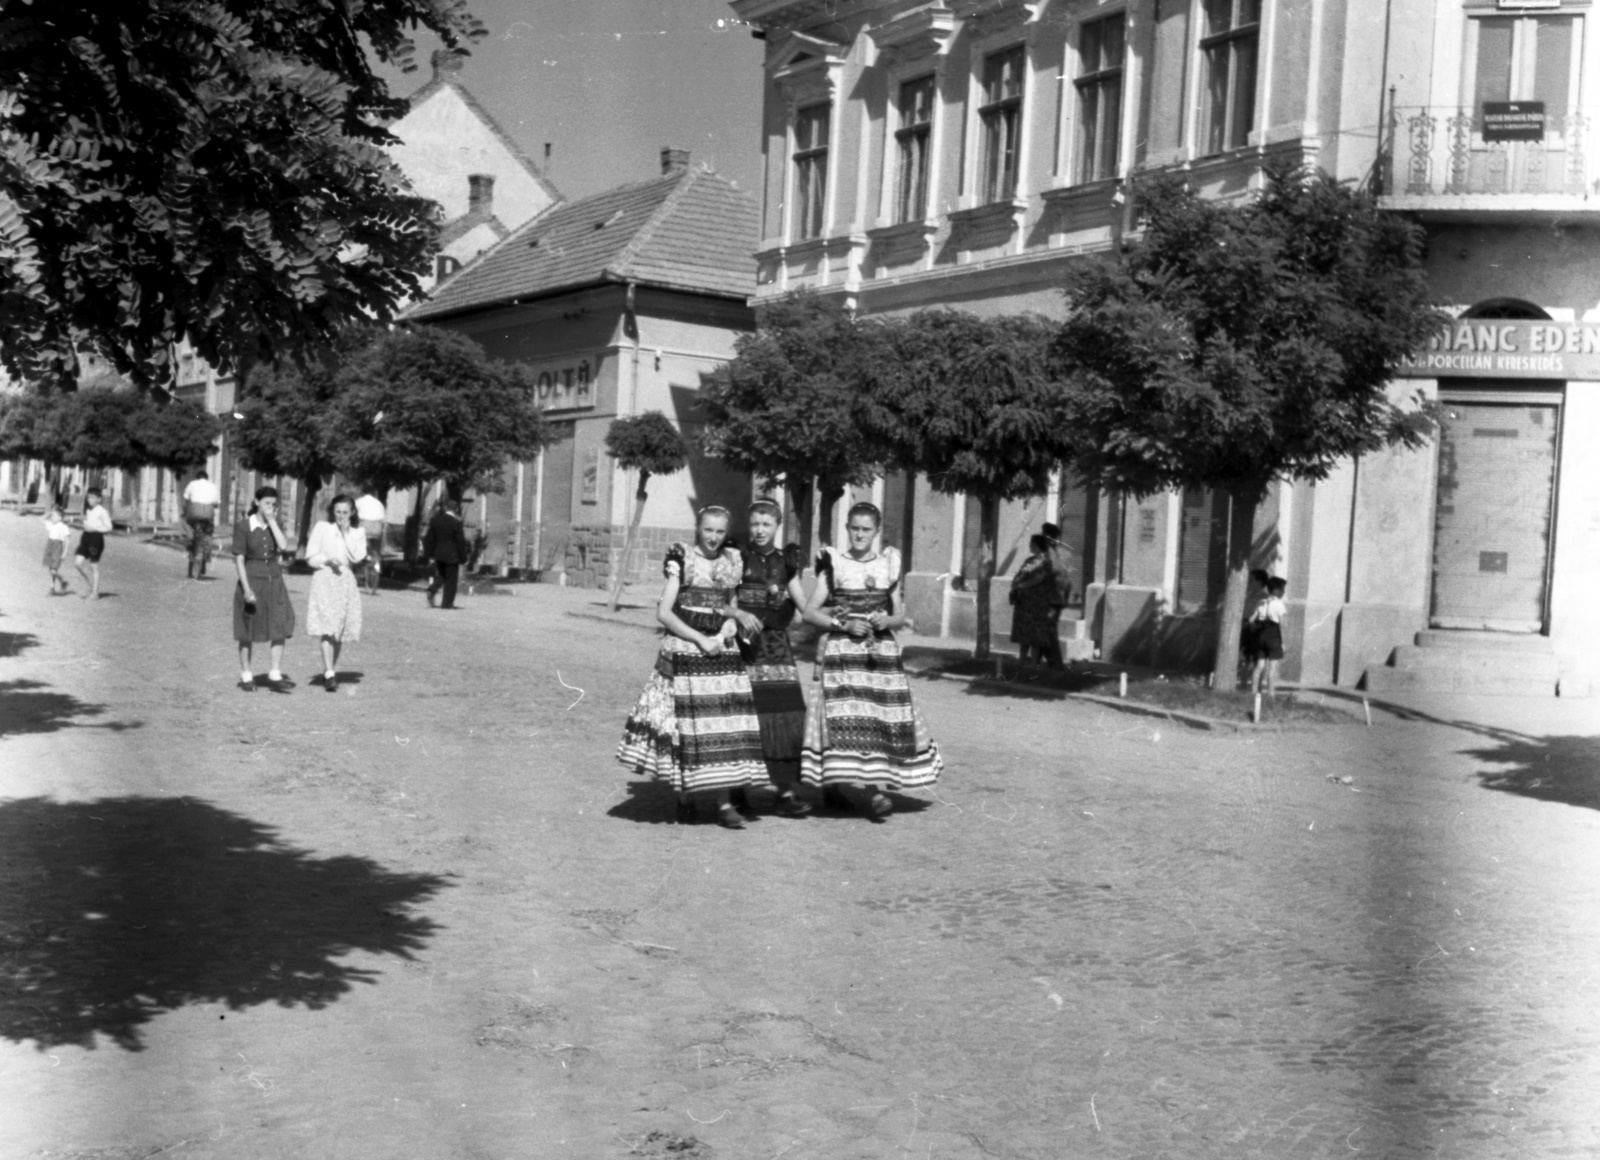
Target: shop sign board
(1513, 120)
(1505, 348)
(565, 386)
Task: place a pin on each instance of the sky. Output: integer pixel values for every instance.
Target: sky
(609, 83)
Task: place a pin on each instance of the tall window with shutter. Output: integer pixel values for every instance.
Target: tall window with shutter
(1202, 550)
(810, 171)
(912, 141)
(1000, 118)
(1099, 85)
(1229, 43)
(1524, 58)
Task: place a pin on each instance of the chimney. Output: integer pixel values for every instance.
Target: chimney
(480, 193)
(445, 62)
(674, 161)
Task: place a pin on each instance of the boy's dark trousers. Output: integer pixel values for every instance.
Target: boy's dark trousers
(445, 576)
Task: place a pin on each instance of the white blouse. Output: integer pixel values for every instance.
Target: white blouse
(328, 545)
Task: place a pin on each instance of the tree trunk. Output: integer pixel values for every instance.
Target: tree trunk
(414, 525)
(988, 550)
(308, 510)
(831, 494)
(800, 503)
(627, 541)
(1230, 616)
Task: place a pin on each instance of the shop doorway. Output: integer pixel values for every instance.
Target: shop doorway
(1494, 515)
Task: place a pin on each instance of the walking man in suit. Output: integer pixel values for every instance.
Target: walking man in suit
(445, 543)
(1061, 577)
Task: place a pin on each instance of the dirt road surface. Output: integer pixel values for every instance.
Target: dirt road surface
(428, 917)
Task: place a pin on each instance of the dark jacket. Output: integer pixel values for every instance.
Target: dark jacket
(445, 541)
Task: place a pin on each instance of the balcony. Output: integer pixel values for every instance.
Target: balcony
(1439, 163)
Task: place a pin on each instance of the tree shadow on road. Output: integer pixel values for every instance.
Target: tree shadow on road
(115, 910)
(1562, 769)
(1552, 769)
(14, 644)
(25, 709)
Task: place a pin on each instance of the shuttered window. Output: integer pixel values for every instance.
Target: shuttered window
(1202, 551)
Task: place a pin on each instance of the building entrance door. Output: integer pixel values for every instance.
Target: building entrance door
(1492, 522)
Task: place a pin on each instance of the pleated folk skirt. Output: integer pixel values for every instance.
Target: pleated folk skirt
(864, 727)
(695, 724)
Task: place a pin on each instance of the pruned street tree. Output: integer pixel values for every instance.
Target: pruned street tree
(102, 427)
(649, 444)
(1235, 344)
(422, 404)
(973, 404)
(173, 168)
(788, 407)
(283, 427)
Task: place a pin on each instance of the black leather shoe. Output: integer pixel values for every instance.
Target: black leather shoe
(790, 806)
(247, 686)
(728, 818)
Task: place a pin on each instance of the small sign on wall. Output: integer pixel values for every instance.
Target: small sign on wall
(1513, 120)
(1147, 525)
(568, 386)
(590, 488)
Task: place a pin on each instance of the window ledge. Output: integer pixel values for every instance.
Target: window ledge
(923, 228)
(1106, 189)
(995, 212)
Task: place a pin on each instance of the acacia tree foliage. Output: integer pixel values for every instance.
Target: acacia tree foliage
(972, 403)
(1233, 345)
(412, 406)
(203, 168)
(789, 408)
(649, 444)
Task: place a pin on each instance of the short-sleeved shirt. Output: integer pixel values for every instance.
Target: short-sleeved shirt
(97, 519)
(203, 492)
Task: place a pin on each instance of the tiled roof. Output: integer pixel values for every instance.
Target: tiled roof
(689, 231)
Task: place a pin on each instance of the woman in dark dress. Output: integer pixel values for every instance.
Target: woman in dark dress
(768, 596)
(261, 609)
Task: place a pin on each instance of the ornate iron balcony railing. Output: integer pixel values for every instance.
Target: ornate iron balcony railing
(1442, 150)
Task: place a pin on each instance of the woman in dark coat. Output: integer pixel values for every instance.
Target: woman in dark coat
(261, 608)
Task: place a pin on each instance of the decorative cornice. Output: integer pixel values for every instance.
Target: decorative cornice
(993, 17)
(806, 68)
(920, 32)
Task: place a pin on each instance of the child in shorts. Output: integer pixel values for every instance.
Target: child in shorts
(1266, 644)
(57, 533)
(92, 543)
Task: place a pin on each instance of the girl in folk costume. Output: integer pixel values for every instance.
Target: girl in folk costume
(768, 596)
(863, 731)
(695, 724)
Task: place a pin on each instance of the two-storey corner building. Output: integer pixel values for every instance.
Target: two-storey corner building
(965, 153)
(618, 304)
(1491, 143)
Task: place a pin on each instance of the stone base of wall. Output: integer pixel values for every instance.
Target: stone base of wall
(594, 554)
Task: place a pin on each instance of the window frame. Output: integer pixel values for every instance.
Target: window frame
(1225, 44)
(808, 221)
(1518, 80)
(1090, 141)
(911, 205)
(994, 183)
